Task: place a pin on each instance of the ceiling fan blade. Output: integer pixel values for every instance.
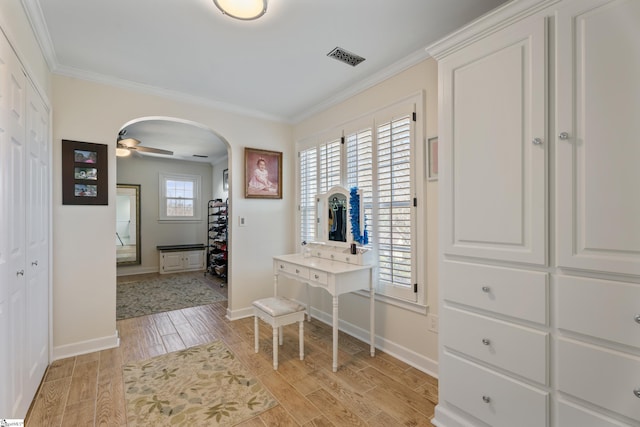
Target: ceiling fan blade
(151, 150)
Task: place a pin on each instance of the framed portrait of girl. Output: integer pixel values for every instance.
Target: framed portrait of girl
(263, 174)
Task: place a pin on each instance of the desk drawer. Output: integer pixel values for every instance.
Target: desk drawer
(293, 269)
(604, 377)
(517, 293)
(494, 398)
(318, 276)
(518, 349)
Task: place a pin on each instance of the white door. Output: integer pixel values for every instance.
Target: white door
(493, 146)
(171, 261)
(597, 136)
(37, 231)
(12, 220)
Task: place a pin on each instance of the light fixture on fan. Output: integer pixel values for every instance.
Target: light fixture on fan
(122, 152)
(245, 10)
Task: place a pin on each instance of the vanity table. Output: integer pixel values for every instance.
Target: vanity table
(338, 272)
(334, 262)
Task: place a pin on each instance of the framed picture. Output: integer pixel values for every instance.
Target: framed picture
(85, 168)
(432, 144)
(225, 180)
(262, 174)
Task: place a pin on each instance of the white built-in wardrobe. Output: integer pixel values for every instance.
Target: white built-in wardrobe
(539, 130)
(25, 183)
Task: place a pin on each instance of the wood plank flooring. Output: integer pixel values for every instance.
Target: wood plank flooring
(88, 390)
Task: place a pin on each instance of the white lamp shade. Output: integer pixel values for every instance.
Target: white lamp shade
(242, 9)
(122, 152)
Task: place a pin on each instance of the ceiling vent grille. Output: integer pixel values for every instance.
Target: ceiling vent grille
(345, 56)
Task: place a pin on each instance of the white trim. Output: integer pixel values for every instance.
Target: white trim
(84, 347)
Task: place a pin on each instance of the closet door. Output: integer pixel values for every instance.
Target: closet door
(598, 152)
(37, 234)
(12, 219)
(493, 150)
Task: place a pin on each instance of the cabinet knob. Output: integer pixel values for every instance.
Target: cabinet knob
(563, 135)
(486, 399)
(297, 271)
(537, 141)
(637, 318)
(316, 276)
(281, 266)
(486, 289)
(486, 341)
(637, 392)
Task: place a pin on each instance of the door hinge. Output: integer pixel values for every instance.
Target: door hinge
(415, 202)
(415, 288)
(415, 117)
(342, 140)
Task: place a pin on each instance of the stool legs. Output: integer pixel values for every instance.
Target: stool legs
(255, 332)
(275, 348)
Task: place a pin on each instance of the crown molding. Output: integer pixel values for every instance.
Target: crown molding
(38, 24)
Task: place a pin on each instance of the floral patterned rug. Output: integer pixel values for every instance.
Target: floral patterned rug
(199, 386)
(164, 293)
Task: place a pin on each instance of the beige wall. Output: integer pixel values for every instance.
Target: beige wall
(84, 269)
(400, 331)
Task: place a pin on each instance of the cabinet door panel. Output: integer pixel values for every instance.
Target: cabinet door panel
(494, 175)
(598, 104)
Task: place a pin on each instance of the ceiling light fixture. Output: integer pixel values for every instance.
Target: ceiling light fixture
(245, 10)
(122, 152)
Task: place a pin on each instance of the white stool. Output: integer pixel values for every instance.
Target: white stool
(278, 312)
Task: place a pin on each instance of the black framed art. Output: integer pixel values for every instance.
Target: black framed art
(85, 173)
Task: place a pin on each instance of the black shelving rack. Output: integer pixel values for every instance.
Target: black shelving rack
(217, 212)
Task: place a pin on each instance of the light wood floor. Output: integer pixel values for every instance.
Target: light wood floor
(381, 391)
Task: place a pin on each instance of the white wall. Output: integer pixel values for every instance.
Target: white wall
(84, 264)
(401, 332)
(145, 172)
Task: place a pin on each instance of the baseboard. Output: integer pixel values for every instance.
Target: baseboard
(83, 347)
(130, 271)
(410, 357)
(418, 361)
(445, 417)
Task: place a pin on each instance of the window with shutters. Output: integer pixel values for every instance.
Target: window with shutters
(379, 157)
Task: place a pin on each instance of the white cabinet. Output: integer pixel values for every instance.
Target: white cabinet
(598, 106)
(182, 260)
(539, 208)
(493, 124)
(24, 230)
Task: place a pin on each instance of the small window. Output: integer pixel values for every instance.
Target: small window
(179, 197)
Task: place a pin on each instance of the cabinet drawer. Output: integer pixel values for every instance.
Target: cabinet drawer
(572, 415)
(581, 309)
(493, 398)
(601, 376)
(293, 269)
(520, 350)
(318, 276)
(517, 293)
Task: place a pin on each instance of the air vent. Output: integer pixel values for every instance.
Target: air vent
(202, 156)
(345, 56)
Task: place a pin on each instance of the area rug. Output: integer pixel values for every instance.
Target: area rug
(199, 386)
(157, 295)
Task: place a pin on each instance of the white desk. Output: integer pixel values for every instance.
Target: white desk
(336, 277)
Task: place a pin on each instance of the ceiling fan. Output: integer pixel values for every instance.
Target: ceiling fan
(126, 145)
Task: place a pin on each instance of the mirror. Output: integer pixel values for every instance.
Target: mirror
(334, 224)
(128, 224)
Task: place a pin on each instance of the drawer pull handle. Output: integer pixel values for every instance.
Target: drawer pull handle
(486, 341)
(637, 318)
(19, 273)
(637, 392)
(316, 276)
(486, 399)
(486, 289)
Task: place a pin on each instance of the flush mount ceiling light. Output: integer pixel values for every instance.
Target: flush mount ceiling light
(245, 10)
